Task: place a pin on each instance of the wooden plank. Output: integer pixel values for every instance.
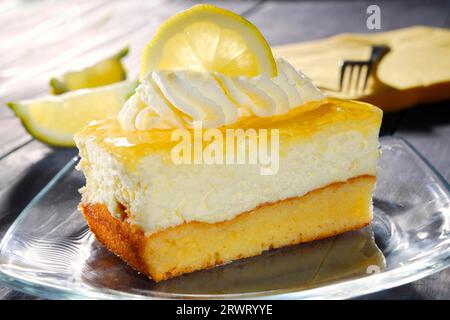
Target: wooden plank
(432, 287)
(26, 165)
(292, 22)
(26, 170)
(426, 127)
(19, 167)
(59, 48)
(12, 135)
(74, 36)
(296, 21)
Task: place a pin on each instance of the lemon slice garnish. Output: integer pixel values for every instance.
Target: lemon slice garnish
(102, 73)
(207, 38)
(55, 119)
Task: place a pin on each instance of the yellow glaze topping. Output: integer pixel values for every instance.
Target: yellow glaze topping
(300, 122)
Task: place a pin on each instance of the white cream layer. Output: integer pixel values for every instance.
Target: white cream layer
(174, 99)
(159, 194)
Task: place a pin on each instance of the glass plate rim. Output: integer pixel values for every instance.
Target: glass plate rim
(370, 284)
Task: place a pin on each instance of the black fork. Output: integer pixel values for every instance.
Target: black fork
(347, 66)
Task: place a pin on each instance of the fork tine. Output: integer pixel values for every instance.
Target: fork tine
(346, 76)
(348, 66)
(341, 76)
(358, 75)
(366, 79)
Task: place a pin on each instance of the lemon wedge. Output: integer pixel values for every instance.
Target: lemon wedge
(104, 72)
(55, 119)
(208, 38)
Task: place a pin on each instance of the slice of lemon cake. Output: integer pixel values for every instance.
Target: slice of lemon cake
(224, 152)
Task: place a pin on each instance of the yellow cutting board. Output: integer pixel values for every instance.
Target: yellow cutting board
(416, 70)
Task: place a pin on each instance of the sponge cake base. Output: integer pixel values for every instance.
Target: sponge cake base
(192, 246)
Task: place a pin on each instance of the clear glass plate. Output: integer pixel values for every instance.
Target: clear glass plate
(49, 251)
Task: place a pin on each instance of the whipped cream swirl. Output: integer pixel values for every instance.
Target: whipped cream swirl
(174, 99)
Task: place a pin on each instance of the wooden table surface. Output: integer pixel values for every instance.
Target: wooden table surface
(40, 39)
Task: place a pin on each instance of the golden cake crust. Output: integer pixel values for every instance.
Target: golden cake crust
(349, 208)
(125, 240)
